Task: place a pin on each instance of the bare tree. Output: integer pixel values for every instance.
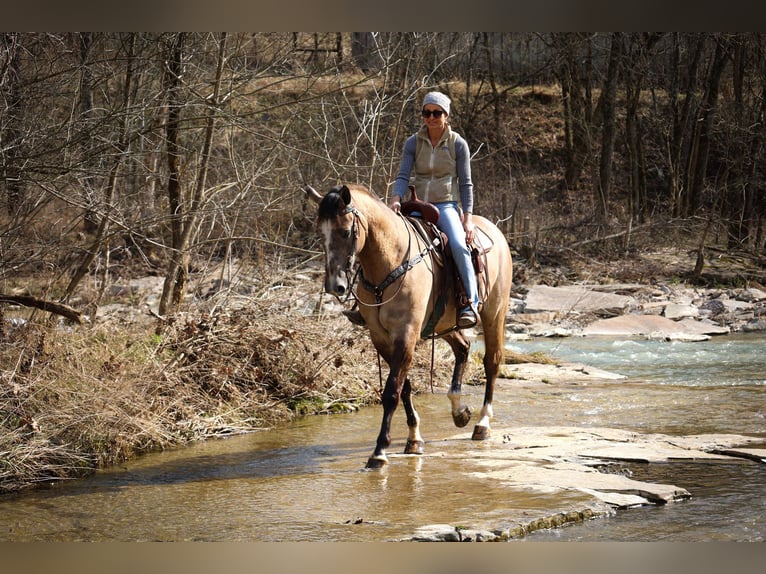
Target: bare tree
(11, 128)
(607, 104)
(577, 106)
(185, 218)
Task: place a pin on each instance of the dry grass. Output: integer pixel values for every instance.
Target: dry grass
(76, 399)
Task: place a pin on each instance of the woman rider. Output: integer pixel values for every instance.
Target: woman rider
(436, 160)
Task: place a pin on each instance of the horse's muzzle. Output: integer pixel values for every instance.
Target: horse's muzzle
(336, 285)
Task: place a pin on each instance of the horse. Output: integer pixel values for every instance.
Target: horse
(399, 289)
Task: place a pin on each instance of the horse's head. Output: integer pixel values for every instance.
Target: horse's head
(338, 225)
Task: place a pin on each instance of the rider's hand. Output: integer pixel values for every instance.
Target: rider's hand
(395, 204)
(468, 226)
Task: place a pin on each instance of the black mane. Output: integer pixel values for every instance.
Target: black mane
(331, 204)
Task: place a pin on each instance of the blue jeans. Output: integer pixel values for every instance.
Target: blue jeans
(452, 226)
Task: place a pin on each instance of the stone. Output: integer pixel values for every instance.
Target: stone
(575, 299)
(714, 307)
(560, 372)
(679, 311)
(534, 318)
(653, 326)
(754, 325)
(549, 331)
(735, 306)
(471, 535)
(436, 533)
(752, 295)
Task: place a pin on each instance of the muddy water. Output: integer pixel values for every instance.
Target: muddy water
(305, 482)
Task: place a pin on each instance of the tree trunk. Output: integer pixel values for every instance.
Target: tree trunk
(575, 109)
(87, 115)
(10, 147)
(742, 205)
(122, 147)
(607, 105)
(174, 275)
(705, 121)
(680, 147)
(188, 221)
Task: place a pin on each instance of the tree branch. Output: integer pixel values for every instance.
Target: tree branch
(50, 306)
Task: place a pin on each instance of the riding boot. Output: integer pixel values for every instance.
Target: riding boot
(467, 317)
(354, 316)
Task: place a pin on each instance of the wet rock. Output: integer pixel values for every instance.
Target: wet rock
(548, 331)
(755, 325)
(470, 535)
(436, 533)
(754, 454)
(562, 372)
(570, 465)
(552, 459)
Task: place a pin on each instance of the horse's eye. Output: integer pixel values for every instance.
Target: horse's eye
(345, 233)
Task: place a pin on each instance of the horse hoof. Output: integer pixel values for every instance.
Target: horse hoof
(414, 447)
(480, 433)
(375, 462)
(462, 418)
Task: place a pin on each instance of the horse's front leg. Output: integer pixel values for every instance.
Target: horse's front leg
(399, 364)
(461, 414)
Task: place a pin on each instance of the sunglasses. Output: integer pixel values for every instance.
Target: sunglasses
(434, 113)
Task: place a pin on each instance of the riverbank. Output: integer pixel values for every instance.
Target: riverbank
(305, 481)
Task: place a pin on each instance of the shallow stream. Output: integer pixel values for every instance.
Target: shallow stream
(305, 481)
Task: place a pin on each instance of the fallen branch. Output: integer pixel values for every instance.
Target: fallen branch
(50, 306)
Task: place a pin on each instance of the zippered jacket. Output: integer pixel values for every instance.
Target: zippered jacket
(439, 173)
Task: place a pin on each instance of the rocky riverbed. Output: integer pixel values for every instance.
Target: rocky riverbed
(557, 461)
(671, 312)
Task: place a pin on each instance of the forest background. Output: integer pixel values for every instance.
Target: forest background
(181, 156)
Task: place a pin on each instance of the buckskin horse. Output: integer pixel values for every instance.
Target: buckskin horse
(401, 285)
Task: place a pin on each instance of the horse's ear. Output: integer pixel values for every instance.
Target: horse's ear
(312, 193)
(345, 194)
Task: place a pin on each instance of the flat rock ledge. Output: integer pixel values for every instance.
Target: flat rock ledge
(581, 471)
(672, 313)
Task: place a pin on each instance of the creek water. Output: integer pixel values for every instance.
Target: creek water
(304, 481)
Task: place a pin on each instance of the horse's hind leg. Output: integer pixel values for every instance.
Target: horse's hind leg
(414, 440)
(494, 335)
(461, 414)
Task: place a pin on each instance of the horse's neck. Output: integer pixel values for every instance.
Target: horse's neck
(385, 245)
